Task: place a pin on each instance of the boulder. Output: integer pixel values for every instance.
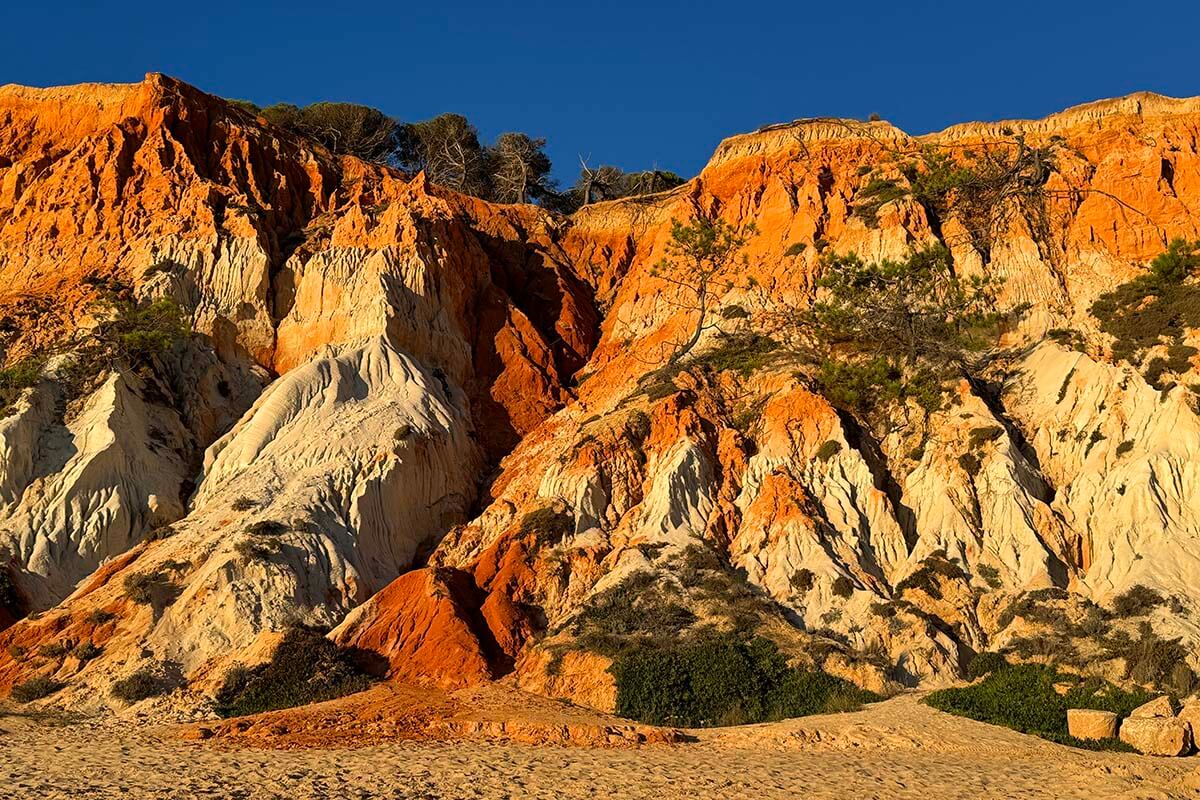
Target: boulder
(1190, 716)
(1157, 736)
(1085, 723)
(1158, 707)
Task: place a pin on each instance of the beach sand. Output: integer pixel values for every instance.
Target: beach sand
(894, 749)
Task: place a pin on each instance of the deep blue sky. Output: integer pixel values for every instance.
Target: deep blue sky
(628, 83)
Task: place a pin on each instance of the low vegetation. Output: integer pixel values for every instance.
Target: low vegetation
(1136, 601)
(893, 331)
(1023, 698)
(1155, 310)
(304, 668)
(985, 664)
(725, 681)
(127, 337)
(1076, 633)
(15, 379)
(139, 685)
(148, 588)
(35, 689)
(930, 577)
(548, 526)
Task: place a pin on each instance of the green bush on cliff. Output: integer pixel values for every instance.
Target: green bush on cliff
(305, 668)
(1154, 309)
(35, 689)
(15, 379)
(725, 681)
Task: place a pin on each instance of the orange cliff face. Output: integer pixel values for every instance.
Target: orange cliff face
(408, 338)
(1125, 183)
(262, 236)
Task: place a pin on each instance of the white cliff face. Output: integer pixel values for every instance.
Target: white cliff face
(319, 496)
(368, 442)
(80, 492)
(1124, 459)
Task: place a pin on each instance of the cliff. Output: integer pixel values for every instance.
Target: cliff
(424, 420)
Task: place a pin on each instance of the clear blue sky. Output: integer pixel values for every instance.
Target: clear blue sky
(628, 83)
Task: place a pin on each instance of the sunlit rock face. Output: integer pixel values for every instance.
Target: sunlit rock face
(387, 378)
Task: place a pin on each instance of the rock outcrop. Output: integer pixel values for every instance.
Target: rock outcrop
(1085, 723)
(1157, 736)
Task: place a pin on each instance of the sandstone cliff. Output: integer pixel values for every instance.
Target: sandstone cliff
(369, 347)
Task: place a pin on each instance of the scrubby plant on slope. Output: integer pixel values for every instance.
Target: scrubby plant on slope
(16, 378)
(890, 331)
(127, 337)
(725, 681)
(1155, 309)
(982, 188)
(138, 685)
(304, 668)
(35, 689)
(1023, 698)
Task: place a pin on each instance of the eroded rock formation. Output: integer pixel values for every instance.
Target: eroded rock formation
(369, 347)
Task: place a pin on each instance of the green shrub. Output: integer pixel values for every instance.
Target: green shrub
(1023, 698)
(1155, 308)
(159, 533)
(1136, 601)
(828, 450)
(981, 436)
(632, 614)
(267, 527)
(795, 249)
(86, 651)
(1154, 661)
(990, 575)
(99, 616)
(928, 577)
(15, 379)
(843, 586)
(56, 649)
(304, 668)
(548, 526)
(249, 549)
(725, 681)
(803, 580)
(35, 689)
(985, 664)
(144, 588)
(1030, 607)
(138, 685)
(743, 353)
(243, 504)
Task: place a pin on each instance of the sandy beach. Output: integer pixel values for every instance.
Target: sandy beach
(894, 749)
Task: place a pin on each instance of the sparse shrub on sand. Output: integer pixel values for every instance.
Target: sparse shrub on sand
(305, 668)
(145, 682)
(1023, 698)
(725, 681)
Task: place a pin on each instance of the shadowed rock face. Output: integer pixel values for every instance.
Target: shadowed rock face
(383, 377)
